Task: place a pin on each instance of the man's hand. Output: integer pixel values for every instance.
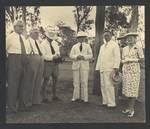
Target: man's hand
(55, 56)
(116, 70)
(80, 57)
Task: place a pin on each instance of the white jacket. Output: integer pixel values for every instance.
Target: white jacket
(109, 57)
(86, 52)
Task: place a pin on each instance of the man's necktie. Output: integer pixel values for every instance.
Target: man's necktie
(50, 44)
(23, 49)
(39, 51)
(52, 49)
(81, 47)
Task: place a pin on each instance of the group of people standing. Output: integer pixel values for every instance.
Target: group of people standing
(32, 68)
(126, 59)
(116, 63)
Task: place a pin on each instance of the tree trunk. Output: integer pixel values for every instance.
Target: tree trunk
(99, 25)
(134, 20)
(24, 15)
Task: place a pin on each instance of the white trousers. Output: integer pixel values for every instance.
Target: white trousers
(107, 89)
(80, 82)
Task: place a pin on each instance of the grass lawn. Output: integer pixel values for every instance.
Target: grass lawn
(67, 112)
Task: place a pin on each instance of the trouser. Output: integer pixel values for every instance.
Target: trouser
(50, 80)
(37, 98)
(17, 66)
(107, 89)
(33, 82)
(80, 82)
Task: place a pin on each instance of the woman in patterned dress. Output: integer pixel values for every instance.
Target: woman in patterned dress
(132, 55)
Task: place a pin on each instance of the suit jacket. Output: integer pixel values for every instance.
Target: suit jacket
(109, 57)
(86, 53)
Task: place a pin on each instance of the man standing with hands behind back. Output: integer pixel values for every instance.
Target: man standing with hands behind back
(35, 73)
(108, 61)
(80, 53)
(18, 50)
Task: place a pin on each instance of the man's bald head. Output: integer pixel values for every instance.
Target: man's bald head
(19, 27)
(34, 33)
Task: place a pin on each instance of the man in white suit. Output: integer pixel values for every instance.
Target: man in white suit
(80, 53)
(108, 61)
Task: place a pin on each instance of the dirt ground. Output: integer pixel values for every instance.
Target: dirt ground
(67, 112)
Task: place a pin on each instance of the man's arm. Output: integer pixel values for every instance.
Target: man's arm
(98, 61)
(117, 58)
(89, 53)
(8, 43)
(73, 53)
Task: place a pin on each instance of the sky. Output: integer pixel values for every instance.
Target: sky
(50, 15)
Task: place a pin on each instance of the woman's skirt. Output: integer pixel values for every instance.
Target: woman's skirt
(131, 79)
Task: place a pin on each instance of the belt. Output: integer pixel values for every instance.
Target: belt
(18, 54)
(34, 54)
(46, 61)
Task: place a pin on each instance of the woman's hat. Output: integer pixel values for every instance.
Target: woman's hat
(116, 78)
(121, 36)
(131, 34)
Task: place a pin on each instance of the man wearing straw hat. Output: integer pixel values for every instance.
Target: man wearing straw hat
(80, 53)
(108, 62)
(18, 50)
(51, 54)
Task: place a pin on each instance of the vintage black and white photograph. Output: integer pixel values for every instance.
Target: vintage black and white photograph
(75, 64)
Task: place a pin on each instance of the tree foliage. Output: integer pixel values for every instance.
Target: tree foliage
(117, 17)
(29, 14)
(68, 37)
(81, 15)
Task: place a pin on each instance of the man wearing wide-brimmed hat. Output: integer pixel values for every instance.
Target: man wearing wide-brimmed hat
(80, 53)
(51, 68)
(18, 50)
(108, 62)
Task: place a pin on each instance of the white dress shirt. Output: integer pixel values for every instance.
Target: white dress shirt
(86, 53)
(47, 53)
(33, 46)
(13, 45)
(109, 57)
